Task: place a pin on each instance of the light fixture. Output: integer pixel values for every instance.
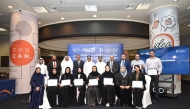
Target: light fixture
(188, 7)
(62, 18)
(2, 29)
(94, 15)
(10, 7)
(176, 0)
(143, 6)
(90, 7)
(40, 9)
(188, 25)
(39, 23)
(1, 14)
(128, 16)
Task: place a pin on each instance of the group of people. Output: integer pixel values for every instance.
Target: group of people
(119, 92)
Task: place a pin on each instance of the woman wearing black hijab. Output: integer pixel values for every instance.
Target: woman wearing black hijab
(65, 92)
(52, 90)
(93, 94)
(138, 92)
(107, 91)
(79, 91)
(37, 89)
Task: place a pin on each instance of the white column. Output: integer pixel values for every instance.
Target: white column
(164, 32)
(23, 48)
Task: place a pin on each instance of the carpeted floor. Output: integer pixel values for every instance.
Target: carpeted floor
(181, 102)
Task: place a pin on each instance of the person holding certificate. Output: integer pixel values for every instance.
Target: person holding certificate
(138, 86)
(93, 94)
(79, 87)
(37, 89)
(153, 68)
(65, 91)
(123, 81)
(52, 87)
(107, 82)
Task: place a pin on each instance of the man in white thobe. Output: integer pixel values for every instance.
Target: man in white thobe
(67, 62)
(100, 65)
(87, 68)
(43, 67)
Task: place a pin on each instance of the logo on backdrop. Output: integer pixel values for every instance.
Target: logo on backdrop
(95, 50)
(162, 41)
(179, 50)
(21, 52)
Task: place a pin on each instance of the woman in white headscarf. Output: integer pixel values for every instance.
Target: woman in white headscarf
(67, 62)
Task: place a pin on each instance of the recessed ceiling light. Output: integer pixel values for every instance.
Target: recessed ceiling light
(40, 9)
(62, 18)
(143, 6)
(39, 23)
(94, 15)
(188, 25)
(90, 7)
(176, 0)
(128, 16)
(188, 7)
(1, 14)
(10, 7)
(2, 29)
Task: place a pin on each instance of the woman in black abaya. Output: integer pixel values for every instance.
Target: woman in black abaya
(37, 89)
(65, 93)
(79, 91)
(52, 90)
(107, 91)
(93, 94)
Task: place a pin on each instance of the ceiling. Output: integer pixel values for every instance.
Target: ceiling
(73, 10)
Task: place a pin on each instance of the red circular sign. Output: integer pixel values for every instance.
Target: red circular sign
(21, 52)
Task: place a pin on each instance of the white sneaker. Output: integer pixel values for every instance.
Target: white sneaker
(107, 105)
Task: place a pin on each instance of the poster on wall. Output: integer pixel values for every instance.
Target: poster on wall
(95, 50)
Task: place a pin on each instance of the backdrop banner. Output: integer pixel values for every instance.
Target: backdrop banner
(175, 60)
(95, 50)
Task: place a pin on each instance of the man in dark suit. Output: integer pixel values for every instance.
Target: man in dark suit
(124, 62)
(113, 65)
(54, 64)
(77, 63)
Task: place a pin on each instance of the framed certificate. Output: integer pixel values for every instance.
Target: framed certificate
(66, 82)
(152, 72)
(52, 82)
(137, 84)
(93, 82)
(138, 65)
(108, 81)
(78, 82)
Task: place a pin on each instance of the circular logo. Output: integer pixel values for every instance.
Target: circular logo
(162, 41)
(23, 28)
(21, 52)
